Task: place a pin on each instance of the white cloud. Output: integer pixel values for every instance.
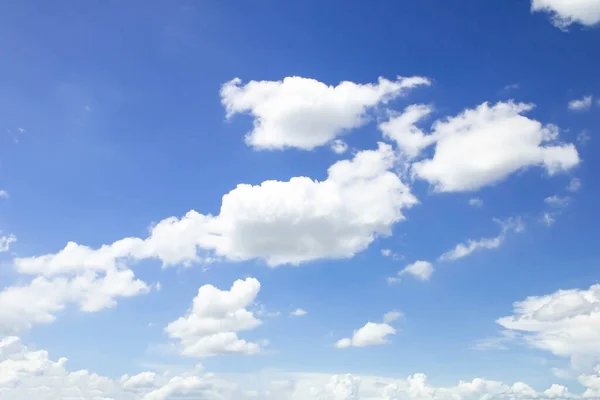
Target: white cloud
(38, 302)
(548, 218)
(298, 312)
(583, 137)
(557, 201)
(290, 222)
(6, 241)
(475, 202)
(210, 327)
(371, 334)
(391, 254)
(574, 185)
(480, 146)
(4, 194)
(566, 13)
(27, 374)
(339, 146)
(566, 323)
(582, 104)
(392, 316)
(464, 249)
(305, 113)
(421, 270)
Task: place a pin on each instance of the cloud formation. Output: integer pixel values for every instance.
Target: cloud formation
(566, 13)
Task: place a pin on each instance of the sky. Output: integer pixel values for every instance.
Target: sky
(297, 200)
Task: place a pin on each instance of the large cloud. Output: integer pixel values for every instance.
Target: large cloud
(567, 12)
(480, 146)
(566, 323)
(210, 326)
(305, 113)
(290, 222)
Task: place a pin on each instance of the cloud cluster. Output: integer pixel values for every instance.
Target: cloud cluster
(210, 326)
(478, 147)
(566, 13)
(305, 113)
(581, 104)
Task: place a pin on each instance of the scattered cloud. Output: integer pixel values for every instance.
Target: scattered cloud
(421, 270)
(6, 241)
(305, 113)
(475, 202)
(496, 342)
(339, 146)
(464, 249)
(583, 137)
(512, 86)
(371, 334)
(582, 104)
(4, 194)
(298, 312)
(557, 201)
(290, 222)
(210, 327)
(392, 316)
(574, 185)
(389, 253)
(480, 146)
(566, 323)
(548, 218)
(566, 13)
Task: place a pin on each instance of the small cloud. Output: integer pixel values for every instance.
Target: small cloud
(421, 270)
(581, 104)
(574, 185)
(262, 312)
(6, 241)
(548, 219)
(339, 146)
(151, 324)
(158, 286)
(475, 202)
(583, 137)
(496, 342)
(391, 254)
(298, 313)
(512, 86)
(4, 194)
(392, 316)
(557, 201)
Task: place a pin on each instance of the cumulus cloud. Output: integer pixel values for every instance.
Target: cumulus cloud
(421, 270)
(480, 146)
(210, 327)
(566, 13)
(464, 249)
(566, 322)
(38, 302)
(289, 222)
(557, 201)
(372, 333)
(305, 113)
(582, 104)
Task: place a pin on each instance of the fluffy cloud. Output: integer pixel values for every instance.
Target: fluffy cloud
(6, 241)
(339, 146)
(210, 327)
(574, 185)
(37, 302)
(480, 146)
(565, 13)
(581, 104)
(305, 113)
(290, 222)
(464, 249)
(566, 323)
(421, 270)
(557, 201)
(372, 333)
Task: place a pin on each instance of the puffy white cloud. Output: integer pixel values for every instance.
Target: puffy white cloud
(582, 104)
(210, 327)
(290, 222)
(139, 381)
(548, 218)
(305, 113)
(298, 312)
(557, 201)
(6, 241)
(480, 146)
(392, 316)
(574, 185)
(37, 302)
(372, 333)
(464, 249)
(339, 146)
(566, 13)
(421, 270)
(475, 202)
(566, 323)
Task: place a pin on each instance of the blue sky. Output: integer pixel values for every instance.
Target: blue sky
(117, 115)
